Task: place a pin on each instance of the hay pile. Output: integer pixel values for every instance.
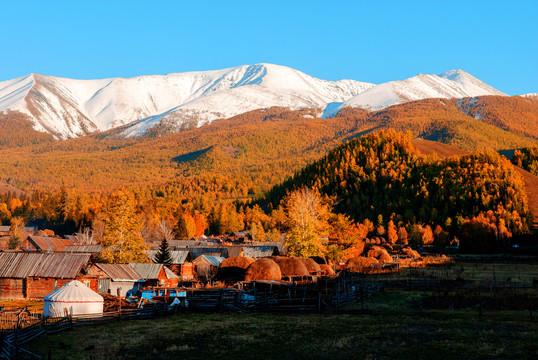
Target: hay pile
(291, 266)
(311, 265)
(233, 269)
(380, 253)
(360, 262)
(410, 252)
(326, 270)
(239, 261)
(388, 246)
(263, 269)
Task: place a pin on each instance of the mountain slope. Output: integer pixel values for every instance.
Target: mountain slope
(69, 108)
(451, 84)
(269, 144)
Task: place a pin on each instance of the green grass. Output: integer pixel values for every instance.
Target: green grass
(278, 336)
(469, 271)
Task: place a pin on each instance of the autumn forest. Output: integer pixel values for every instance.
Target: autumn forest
(354, 176)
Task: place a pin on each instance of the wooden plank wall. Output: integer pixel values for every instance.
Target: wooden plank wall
(11, 288)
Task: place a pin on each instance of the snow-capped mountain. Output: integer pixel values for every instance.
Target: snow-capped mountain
(69, 108)
(450, 84)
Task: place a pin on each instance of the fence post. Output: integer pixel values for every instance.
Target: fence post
(118, 292)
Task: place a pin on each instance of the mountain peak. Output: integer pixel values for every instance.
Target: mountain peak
(70, 108)
(450, 84)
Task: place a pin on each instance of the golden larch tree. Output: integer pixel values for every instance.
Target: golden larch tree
(121, 239)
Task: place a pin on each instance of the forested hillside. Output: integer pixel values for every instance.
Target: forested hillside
(259, 148)
(381, 177)
(198, 173)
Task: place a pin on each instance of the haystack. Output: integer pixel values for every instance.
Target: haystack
(380, 253)
(326, 270)
(388, 246)
(234, 269)
(359, 261)
(411, 253)
(263, 269)
(239, 261)
(291, 266)
(311, 265)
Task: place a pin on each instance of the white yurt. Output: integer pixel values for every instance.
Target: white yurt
(73, 298)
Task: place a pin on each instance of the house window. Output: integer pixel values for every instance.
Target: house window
(87, 283)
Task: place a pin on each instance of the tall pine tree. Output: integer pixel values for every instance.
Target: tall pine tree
(163, 255)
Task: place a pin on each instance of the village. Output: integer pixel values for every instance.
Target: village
(45, 262)
(50, 283)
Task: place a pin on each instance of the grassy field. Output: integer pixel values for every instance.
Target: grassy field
(518, 273)
(405, 335)
(394, 324)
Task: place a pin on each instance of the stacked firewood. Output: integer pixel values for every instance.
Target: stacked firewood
(112, 303)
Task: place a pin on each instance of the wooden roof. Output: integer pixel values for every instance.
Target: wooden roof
(258, 251)
(208, 260)
(46, 243)
(120, 272)
(178, 257)
(90, 249)
(151, 271)
(21, 265)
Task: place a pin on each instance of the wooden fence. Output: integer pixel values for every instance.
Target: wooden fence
(278, 298)
(10, 319)
(11, 341)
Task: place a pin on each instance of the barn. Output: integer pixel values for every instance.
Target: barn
(33, 275)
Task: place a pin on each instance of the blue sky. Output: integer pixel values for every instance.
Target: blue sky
(373, 41)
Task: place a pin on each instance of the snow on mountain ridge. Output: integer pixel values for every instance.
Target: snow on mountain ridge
(450, 84)
(69, 107)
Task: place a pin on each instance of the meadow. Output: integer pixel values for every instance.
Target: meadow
(402, 323)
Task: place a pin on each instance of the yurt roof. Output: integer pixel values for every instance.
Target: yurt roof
(74, 291)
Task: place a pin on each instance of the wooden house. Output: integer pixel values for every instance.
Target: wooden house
(5, 230)
(207, 266)
(155, 274)
(34, 275)
(44, 243)
(260, 251)
(114, 277)
(181, 264)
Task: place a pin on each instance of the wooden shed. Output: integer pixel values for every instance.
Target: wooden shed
(155, 274)
(114, 277)
(207, 266)
(34, 275)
